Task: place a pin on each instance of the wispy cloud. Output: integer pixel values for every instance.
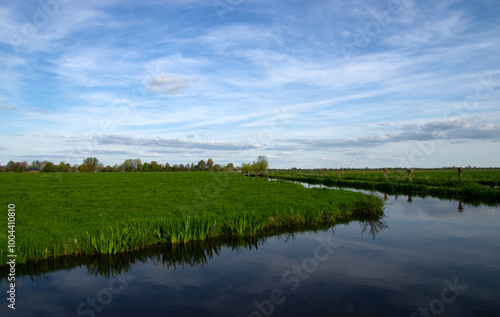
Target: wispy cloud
(435, 130)
(175, 143)
(7, 107)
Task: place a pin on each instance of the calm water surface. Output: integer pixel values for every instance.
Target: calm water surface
(428, 258)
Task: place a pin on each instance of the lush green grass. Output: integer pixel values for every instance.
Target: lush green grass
(440, 183)
(84, 213)
(483, 176)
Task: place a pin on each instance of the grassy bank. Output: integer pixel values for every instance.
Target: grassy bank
(439, 183)
(192, 254)
(88, 213)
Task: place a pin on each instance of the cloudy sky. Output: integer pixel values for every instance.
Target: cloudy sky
(321, 83)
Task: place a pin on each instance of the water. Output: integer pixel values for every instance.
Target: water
(427, 255)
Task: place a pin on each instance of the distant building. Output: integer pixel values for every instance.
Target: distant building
(33, 170)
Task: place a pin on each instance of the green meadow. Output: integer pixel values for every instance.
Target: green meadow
(474, 186)
(62, 214)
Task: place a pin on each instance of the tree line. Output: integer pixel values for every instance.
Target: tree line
(92, 164)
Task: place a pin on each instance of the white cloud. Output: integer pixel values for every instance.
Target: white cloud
(169, 85)
(453, 129)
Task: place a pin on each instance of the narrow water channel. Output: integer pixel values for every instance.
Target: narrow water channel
(427, 258)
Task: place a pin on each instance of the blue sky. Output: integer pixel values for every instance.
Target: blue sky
(307, 83)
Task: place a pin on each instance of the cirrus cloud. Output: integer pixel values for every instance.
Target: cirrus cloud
(175, 143)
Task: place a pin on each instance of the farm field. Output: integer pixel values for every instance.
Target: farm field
(483, 176)
(86, 213)
(475, 184)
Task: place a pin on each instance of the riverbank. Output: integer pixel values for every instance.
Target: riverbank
(474, 187)
(101, 213)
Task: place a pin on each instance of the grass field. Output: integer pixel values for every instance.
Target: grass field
(475, 184)
(86, 213)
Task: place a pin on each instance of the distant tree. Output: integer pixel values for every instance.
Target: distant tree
(63, 167)
(49, 167)
(128, 165)
(192, 167)
(255, 167)
(35, 164)
(42, 164)
(17, 167)
(155, 167)
(175, 168)
(182, 168)
(23, 166)
(84, 168)
(11, 166)
(246, 168)
(132, 165)
(146, 167)
(217, 168)
(168, 168)
(138, 165)
(263, 163)
(202, 165)
(100, 167)
(230, 167)
(92, 162)
(108, 169)
(210, 164)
